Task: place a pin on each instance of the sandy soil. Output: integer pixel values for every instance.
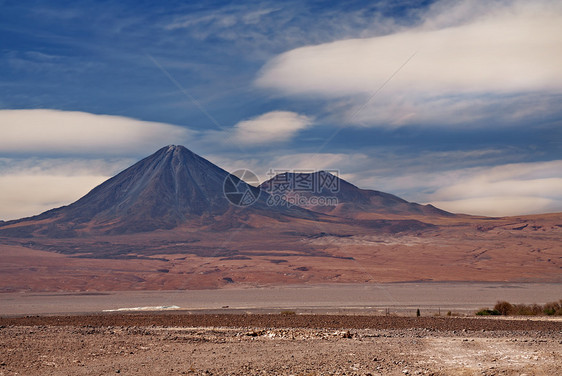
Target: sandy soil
(514, 249)
(179, 344)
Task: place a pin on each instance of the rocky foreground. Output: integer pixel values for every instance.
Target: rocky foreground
(182, 344)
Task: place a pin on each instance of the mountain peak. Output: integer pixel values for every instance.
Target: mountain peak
(176, 148)
(160, 191)
(171, 187)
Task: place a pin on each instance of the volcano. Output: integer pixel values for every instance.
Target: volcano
(171, 187)
(326, 193)
(175, 221)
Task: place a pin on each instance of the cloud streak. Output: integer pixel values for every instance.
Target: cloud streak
(501, 190)
(30, 186)
(271, 127)
(64, 132)
(511, 49)
(512, 189)
(25, 195)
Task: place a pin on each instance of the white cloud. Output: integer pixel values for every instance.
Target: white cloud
(263, 164)
(271, 127)
(64, 166)
(63, 132)
(512, 189)
(467, 59)
(27, 195)
(317, 161)
(31, 186)
(32, 183)
(500, 206)
(501, 190)
(219, 19)
(508, 189)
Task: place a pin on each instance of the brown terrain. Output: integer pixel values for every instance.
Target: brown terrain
(165, 224)
(518, 249)
(180, 344)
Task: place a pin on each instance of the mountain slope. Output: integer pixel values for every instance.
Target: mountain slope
(323, 192)
(170, 187)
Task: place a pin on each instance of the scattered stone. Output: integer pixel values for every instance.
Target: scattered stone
(297, 345)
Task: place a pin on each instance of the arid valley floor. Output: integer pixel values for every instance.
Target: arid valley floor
(510, 249)
(172, 344)
(517, 258)
(334, 330)
(154, 272)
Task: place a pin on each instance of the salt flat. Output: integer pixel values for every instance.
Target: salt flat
(404, 298)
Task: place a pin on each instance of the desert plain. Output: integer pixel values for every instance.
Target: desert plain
(338, 329)
(90, 290)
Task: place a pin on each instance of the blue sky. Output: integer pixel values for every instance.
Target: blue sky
(448, 102)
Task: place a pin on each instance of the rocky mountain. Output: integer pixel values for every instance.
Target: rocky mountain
(171, 187)
(326, 193)
(176, 221)
(175, 187)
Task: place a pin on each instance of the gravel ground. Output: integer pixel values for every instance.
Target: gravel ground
(184, 344)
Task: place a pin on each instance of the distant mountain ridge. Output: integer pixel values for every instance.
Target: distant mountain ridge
(175, 187)
(175, 221)
(351, 200)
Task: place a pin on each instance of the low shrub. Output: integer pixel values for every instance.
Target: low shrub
(487, 312)
(506, 309)
(288, 313)
(527, 310)
(553, 308)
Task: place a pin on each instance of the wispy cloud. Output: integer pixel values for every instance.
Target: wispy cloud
(32, 185)
(269, 27)
(500, 190)
(271, 127)
(221, 19)
(491, 56)
(63, 132)
(264, 164)
(478, 65)
(26, 195)
(522, 188)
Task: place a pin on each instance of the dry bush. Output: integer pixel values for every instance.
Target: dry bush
(487, 312)
(504, 308)
(527, 309)
(553, 308)
(288, 313)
